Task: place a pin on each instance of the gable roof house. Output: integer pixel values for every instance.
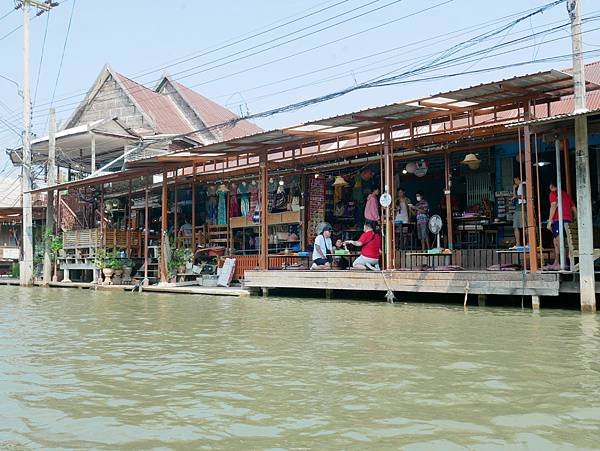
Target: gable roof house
(118, 113)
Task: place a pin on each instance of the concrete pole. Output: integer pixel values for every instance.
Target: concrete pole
(27, 263)
(50, 204)
(582, 171)
(561, 235)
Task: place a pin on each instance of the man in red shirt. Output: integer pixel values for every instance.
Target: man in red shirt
(568, 211)
(370, 244)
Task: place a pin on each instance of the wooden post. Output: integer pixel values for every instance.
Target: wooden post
(530, 205)
(146, 282)
(163, 229)
(448, 194)
(128, 220)
(567, 157)
(194, 211)
(102, 235)
(263, 261)
(175, 216)
(388, 187)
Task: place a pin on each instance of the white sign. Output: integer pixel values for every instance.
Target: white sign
(385, 200)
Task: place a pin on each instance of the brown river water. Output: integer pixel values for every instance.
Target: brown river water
(98, 370)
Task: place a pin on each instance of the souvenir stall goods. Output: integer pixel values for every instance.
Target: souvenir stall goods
(244, 193)
(222, 205)
(316, 206)
(279, 200)
(234, 207)
(253, 190)
(212, 205)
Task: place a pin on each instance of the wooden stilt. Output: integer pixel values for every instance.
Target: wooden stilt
(264, 215)
(448, 194)
(535, 303)
(146, 282)
(163, 229)
(530, 206)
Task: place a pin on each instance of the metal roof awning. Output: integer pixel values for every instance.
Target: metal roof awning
(553, 119)
(75, 143)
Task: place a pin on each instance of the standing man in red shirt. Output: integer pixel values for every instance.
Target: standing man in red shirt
(370, 244)
(568, 211)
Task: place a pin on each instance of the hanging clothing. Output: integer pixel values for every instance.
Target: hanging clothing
(372, 208)
(357, 189)
(402, 212)
(279, 201)
(211, 208)
(222, 209)
(234, 206)
(253, 189)
(244, 194)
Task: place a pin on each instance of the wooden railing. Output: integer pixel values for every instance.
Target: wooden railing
(113, 239)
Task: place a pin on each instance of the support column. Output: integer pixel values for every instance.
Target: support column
(93, 153)
(163, 229)
(102, 234)
(128, 220)
(263, 260)
(567, 156)
(175, 215)
(448, 194)
(388, 187)
(531, 237)
(146, 282)
(194, 212)
(50, 202)
(561, 234)
(535, 303)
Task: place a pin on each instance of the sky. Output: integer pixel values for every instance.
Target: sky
(253, 56)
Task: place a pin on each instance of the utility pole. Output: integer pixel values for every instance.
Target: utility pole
(50, 204)
(587, 285)
(27, 262)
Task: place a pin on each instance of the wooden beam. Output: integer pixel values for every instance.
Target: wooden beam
(533, 262)
(264, 204)
(163, 228)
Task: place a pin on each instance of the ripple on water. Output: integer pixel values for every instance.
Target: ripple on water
(96, 370)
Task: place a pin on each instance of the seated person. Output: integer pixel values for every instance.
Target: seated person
(322, 247)
(370, 244)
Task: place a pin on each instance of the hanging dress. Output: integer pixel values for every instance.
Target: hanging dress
(234, 206)
(212, 205)
(244, 199)
(222, 215)
(253, 200)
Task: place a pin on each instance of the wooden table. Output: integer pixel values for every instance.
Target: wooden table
(429, 256)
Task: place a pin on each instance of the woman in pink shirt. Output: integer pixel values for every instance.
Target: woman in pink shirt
(372, 206)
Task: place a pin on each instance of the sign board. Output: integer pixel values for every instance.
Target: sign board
(226, 274)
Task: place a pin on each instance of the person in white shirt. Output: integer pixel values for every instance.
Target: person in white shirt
(322, 247)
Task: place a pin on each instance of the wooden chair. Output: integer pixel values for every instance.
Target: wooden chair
(573, 245)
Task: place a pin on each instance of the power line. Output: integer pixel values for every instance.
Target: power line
(7, 14)
(37, 82)
(310, 49)
(62, 57)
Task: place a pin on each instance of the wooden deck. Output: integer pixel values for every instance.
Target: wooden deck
(456, 282)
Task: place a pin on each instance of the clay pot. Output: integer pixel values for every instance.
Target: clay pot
(108, 273)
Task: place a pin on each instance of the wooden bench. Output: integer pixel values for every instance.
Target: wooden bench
(573, 245)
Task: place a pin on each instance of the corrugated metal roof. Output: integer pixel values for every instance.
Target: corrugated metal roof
(212, 114)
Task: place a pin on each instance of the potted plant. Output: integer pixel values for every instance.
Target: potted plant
(182, 257)
(127, 270)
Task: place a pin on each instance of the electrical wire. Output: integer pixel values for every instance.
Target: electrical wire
(216, 79)
(37, 81)
(62, 57)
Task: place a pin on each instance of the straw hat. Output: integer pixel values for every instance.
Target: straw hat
(340, 181)
(472, 161)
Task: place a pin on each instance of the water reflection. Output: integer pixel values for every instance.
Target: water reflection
(101, 370)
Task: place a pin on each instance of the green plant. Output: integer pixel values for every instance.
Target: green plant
(15, 271)
(56, 244)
